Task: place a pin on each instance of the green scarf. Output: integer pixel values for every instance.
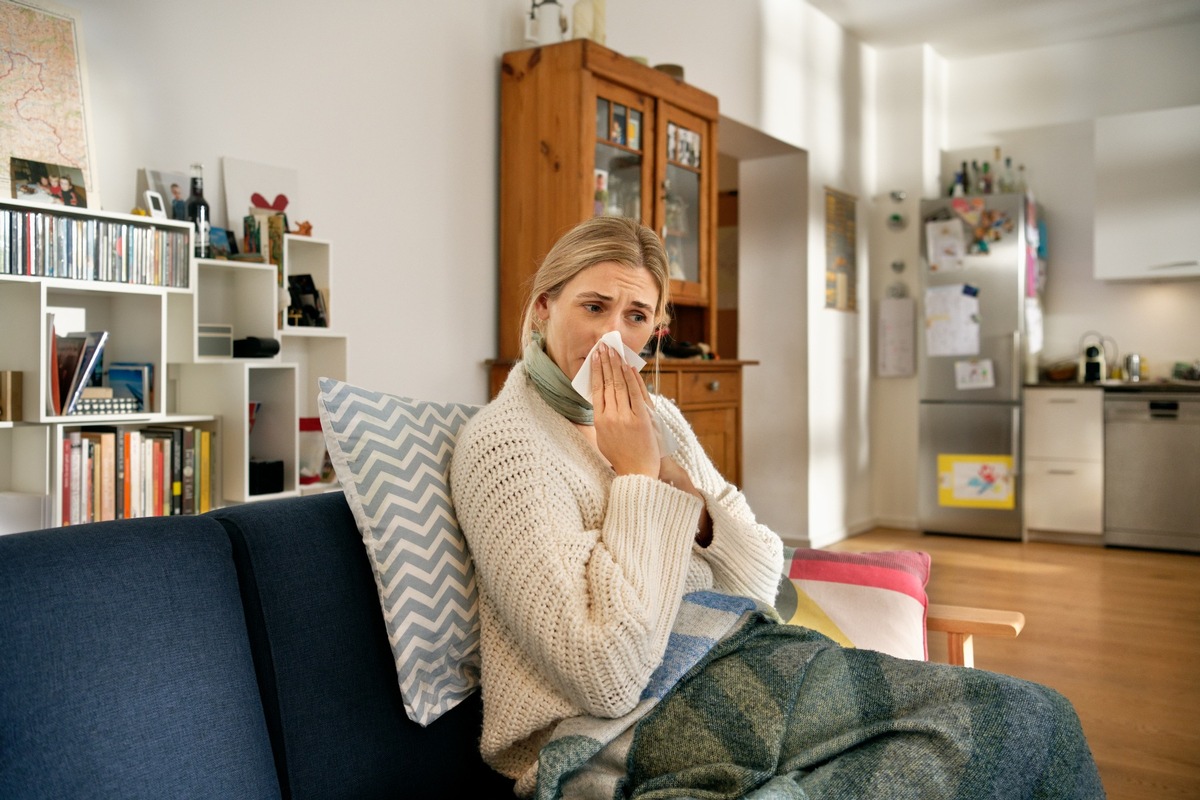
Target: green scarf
(555, 387)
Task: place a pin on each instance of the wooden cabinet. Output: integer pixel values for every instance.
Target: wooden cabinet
(586, 131)
(1064, 461)
(709, 393)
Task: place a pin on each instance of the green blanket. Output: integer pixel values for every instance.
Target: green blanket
(746, 707)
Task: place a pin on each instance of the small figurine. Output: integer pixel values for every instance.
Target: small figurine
(304, 228)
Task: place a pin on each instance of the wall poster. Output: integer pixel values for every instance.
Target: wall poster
(975, 481)
(43, 88)
(841, 231)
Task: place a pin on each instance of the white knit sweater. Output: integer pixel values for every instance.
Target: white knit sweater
(581, 572)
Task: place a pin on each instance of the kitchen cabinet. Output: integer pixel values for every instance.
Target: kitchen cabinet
(585, 131)
(1148, 195)
(1064, 463)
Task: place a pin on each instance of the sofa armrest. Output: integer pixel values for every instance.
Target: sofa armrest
(961, 623)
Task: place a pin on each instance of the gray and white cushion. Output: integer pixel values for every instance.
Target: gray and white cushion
(392, 459)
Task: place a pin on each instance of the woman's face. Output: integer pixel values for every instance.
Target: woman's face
(604, 297)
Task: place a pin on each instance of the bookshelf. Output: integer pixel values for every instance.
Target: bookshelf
(134, 277)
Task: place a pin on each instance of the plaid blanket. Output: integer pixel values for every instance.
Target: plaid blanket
(743, 707)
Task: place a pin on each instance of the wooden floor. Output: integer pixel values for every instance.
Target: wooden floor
(1115, 630)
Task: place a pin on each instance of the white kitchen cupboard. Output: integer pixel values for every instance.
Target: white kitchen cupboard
(1148, 195)
(1064, 463)
(147, 291)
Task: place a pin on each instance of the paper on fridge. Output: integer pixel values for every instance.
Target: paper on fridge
(951, 320)
(582, 382)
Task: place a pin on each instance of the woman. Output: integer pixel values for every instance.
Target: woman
(611, 557)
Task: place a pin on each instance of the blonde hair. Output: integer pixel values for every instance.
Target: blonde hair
(595, 241)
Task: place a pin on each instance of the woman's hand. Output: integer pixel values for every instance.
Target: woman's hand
(670, 471)
(623, 416)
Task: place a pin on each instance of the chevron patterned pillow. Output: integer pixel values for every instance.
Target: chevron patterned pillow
(392, 459)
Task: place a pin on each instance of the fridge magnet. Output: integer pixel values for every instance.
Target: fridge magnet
(974, 374)
(975, 481)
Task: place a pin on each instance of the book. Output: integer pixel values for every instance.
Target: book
(105, 444)
(107, 405)
(76, 497)
(188, 498)
(93, 346)
(133, 473)
(204, 479)
(66, 480)
(54, 390)
(118, 450)
(172, 466)
(67, 352)
(133, 380)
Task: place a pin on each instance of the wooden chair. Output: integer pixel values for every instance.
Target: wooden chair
(962, 623)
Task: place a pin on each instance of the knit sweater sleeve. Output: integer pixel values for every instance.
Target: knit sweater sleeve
(746, 556)
(586, 583)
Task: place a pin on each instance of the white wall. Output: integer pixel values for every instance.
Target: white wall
(388, 112)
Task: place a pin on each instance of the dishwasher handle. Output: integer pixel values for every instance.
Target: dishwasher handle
(1164, 409)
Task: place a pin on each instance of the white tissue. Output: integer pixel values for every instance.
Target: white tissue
(667, 443)
(583, 379)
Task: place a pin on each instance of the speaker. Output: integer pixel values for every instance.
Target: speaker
(254, 347)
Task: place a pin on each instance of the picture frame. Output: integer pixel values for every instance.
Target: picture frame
(50, 184)
(173, 187)
(50, 36)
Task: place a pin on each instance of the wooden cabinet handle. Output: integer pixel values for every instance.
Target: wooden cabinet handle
(714, 385)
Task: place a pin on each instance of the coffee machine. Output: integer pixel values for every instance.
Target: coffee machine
(1093, 358)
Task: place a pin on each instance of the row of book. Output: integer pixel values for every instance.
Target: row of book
(122, 472)
(52, 245)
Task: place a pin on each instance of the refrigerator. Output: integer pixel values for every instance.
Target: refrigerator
(980, 313)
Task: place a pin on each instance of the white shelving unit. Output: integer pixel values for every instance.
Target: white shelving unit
(158, 324)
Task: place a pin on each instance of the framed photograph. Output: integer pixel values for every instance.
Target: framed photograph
(52, 184)
(49, 120)
(173, 187)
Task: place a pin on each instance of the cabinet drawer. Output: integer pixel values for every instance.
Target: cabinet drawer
(668, 383)
(710, 387)
(1064, 423)
(1064, 496)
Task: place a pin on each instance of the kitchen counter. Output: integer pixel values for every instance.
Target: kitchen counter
(1156, 387)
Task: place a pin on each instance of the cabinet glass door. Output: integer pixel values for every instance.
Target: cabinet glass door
(684, 200)
(621, 167)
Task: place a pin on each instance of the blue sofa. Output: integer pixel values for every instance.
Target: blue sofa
(238, 654)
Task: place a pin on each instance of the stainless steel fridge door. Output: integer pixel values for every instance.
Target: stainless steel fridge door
(959, 440)
(998, 280)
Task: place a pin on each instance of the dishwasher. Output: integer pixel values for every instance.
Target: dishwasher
(1152, 470)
